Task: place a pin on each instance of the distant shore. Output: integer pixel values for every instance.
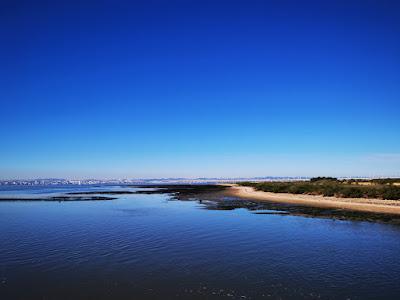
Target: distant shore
(351, 204)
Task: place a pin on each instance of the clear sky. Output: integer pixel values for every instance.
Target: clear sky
(111, 89)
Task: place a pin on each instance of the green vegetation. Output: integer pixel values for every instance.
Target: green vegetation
(329, 186)
(314, 179)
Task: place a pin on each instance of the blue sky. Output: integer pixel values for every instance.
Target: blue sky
(112, 89)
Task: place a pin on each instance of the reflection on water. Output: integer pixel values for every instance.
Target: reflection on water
(146, 247)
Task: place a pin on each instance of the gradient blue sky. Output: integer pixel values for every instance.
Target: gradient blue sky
(111, 89)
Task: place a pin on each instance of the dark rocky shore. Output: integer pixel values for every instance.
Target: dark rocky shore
(215, 197)
(102, 193)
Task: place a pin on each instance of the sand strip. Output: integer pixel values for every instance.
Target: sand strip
(352, 204)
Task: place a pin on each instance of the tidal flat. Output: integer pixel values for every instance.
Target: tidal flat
(214, 197)
(220, 197)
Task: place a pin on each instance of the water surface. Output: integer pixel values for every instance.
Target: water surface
(147, 247)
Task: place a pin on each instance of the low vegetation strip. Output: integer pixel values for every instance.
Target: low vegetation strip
(327, 186)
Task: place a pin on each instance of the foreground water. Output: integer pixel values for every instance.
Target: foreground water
(148, 247)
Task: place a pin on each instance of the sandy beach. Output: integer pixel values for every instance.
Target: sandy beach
(351, 204)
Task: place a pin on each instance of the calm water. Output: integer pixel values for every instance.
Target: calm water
(147, 247)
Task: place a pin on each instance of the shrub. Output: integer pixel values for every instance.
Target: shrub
(314, 179)
(328, 186)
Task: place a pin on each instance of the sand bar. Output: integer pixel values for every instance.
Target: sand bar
(353, 204)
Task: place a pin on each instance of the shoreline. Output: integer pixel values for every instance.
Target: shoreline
(350, 204)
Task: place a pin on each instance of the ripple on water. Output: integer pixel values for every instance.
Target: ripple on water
(150, 248)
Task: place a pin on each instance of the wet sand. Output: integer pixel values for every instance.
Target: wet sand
(350, 204)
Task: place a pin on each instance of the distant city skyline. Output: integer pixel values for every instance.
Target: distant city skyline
(147, 181)
(202, 89)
